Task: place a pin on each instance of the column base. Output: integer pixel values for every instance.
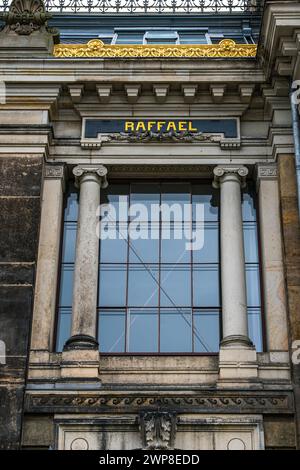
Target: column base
(81, 342)
(237, 363)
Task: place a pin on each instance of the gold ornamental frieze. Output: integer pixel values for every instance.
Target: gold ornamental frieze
(227, 48)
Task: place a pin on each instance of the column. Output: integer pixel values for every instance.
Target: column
(271, 257)
(85, 288)
(233, 279)
(48, 260)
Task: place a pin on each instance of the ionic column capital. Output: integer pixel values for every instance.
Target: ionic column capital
(95, 173)
(224, 173)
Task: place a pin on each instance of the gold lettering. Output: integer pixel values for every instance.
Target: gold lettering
(191, 128)
(171, 125)
(151, 124)
(129, 126)
(141, 126)
(181, 126)
(160, 124)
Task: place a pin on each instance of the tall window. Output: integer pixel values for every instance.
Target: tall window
(159, 278)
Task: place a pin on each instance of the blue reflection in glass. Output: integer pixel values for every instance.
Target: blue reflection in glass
(111, 331)
(253, 285)
(142, 330)
(145, 194)
(209, 253)
(113, 243)
(143, 243)
(174, 239)
(204, 194)
(206, 285)
(175, 285)
(112, 285)
(250, 242)
(255, 328)
(69, 242)
(248, 207)
(206, 331)
(71, 210)
(66, 285)
(111, 195)
(175, 193)
(143, 286)
(175, 330)
(63, 327)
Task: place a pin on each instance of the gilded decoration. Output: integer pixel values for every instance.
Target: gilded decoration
(97, 49)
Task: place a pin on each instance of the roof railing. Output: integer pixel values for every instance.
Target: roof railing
(148, 6)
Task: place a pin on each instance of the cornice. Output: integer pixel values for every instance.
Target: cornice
(214, 402)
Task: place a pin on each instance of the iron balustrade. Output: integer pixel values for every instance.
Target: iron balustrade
(149, 6)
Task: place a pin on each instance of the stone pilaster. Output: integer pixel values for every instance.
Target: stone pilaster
(48, 261)
(272, 257)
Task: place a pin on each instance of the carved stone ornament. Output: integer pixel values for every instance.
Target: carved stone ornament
(96, 48)
(100, 171)
(150, 136)
(221, 171)
(26, 16)
(158, 430)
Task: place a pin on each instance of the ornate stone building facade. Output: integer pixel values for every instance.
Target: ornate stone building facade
(138, 344)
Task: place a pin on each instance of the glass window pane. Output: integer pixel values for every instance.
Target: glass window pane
(253, 286)
(143, 286)
(207, 196)
(175, 238)
(115, 194)
(113, 243)
(111, 331)
(192, 38)
(206, 331)
(175, 330)
(142, 330)
(144, 243)
(69, 242)
(130, 38)
(250, 242)
(248, 207)
(208, 243)
(206, 286)
(175, 286)
(255, 328)
(145, 194)
(175, 193)
(71, 210)
(112, 285)
(63, 327)
(66, 286)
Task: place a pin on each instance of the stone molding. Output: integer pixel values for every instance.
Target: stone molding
(54, 171)
(268, 170)
(227, 402)
(158, 430)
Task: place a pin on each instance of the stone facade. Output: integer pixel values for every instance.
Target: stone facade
(79, 398)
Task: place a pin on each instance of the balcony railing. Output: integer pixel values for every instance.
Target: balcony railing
(148, 6)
